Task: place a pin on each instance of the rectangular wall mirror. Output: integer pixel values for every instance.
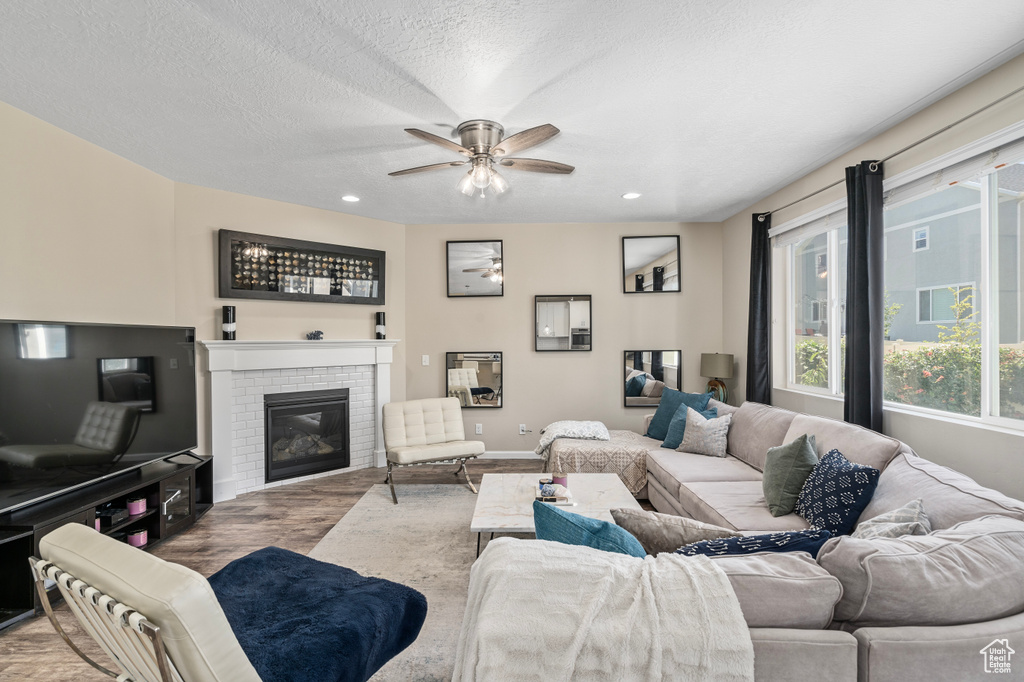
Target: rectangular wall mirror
(650, 264)
(561, 323)
(475, 269)
(474, 378)
(647, 373)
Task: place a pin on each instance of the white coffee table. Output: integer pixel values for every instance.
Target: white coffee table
(505, 501)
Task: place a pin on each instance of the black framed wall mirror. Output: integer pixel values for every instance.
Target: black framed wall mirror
(475, 268)
(650, 264)
(475, 378)
(562, 322)
(647, 373)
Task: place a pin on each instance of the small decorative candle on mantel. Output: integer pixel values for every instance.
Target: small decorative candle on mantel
(380, 325)
(228, 325)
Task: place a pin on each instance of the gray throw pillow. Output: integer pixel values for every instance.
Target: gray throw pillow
(786, 468)
(909, 519)
(665, 532)
(705, 436)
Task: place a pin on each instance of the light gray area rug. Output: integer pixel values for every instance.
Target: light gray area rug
(423, 542)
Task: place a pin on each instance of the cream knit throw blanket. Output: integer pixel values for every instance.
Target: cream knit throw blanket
(570, 429)
(546, 611)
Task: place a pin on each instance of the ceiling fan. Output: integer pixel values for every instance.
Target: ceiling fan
(492, 273)
(485, 145)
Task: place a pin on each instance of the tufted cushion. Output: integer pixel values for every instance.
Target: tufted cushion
(107, 427)
(463, 376)
(422, 422)
(195, 630)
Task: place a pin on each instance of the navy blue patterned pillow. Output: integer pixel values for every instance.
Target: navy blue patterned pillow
(836, 493)
(782, 541)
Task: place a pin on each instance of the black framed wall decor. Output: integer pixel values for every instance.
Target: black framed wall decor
(562, 323)
(651, 264)
(475, 268)
(280, 269)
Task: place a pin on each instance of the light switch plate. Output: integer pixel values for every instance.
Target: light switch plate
(426, 360)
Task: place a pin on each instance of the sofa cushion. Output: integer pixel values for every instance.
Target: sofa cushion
(786, 468)
(677, 426)
(666, 532)
(705, 436)
(635, 385)
(436, 451)
(788, 590)
(755, 428)
(949, 497)
(558, 525)
(734, 504)
(671, 399)
(672, 468)
(907, 520)
(964, 574)
(809, 540)
(859, 445)
(836, 493)
(723, 408)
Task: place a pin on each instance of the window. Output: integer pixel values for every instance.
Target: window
(941, 304)
(953, 310)
(921, 238)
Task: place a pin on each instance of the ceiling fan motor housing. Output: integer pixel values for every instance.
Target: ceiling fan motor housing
(480, 136)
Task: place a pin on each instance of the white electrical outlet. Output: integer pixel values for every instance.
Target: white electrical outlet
(522, 429)
(426, 361)
(479, 429)
(174, 363)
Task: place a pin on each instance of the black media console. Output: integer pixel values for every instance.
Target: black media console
(178, 490)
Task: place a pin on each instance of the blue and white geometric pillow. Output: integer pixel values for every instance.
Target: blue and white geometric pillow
(836, 493)
(782, 541)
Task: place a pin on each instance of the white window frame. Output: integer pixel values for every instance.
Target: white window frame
(961, 285)
(927, 238)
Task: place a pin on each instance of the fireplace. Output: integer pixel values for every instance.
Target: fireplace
(306, 433)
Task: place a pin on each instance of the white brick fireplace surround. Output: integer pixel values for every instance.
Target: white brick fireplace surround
(241, 372)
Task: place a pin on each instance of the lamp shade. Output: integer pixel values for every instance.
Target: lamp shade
(716, 365)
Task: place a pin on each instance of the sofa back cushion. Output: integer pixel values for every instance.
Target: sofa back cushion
(859, 445)
(948, 497)
(782, 590)
(755, 428)
(964, 574)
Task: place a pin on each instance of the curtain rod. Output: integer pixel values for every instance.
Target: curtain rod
(875, 164)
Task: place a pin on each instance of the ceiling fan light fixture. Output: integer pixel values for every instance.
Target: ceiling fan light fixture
(481, 174)
(499, 184)
(466, 185)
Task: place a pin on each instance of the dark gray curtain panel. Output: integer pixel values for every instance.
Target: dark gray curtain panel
(865, 294)
(759, 326)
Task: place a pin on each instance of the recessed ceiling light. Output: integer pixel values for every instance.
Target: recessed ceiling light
(350, 197)
(631, 195)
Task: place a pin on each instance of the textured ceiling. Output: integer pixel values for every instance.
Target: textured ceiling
(703, 106)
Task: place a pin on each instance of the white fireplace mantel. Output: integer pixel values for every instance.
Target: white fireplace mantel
(224, 358)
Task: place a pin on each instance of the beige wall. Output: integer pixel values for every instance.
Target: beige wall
(994, 458)
(90, 237)
(542, 387)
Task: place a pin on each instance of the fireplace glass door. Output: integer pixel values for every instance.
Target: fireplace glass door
(306, 433)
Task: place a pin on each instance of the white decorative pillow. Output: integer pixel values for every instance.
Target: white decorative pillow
(909, 519)
(705, 436)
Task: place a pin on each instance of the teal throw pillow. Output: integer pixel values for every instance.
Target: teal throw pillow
(677, 426)
(635, 385)
(786, 468)
(557, 525)
(671, 399)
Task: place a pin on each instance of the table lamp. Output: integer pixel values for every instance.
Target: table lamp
(716, 366)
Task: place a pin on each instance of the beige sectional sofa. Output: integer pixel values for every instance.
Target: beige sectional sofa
(916, 607)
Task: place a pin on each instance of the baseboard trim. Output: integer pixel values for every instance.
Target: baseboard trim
(509, 454)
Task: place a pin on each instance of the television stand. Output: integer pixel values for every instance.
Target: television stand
(178, 491)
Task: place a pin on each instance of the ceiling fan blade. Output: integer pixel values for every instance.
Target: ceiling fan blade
(537, 165)
(440, 141)
(525, 139)
(433, 166)
(477, 269)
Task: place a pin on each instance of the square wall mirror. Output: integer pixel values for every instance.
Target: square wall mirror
(475, 269)
(650, 264)
(474, 378)
(647, 373)
(561, 322)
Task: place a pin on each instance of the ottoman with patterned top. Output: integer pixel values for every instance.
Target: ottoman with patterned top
(624, 454)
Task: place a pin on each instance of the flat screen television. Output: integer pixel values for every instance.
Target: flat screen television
(53, 373)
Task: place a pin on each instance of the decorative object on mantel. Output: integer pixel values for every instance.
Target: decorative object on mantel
(275, 268)
(379, 320)
(717, 366)
(315, 335)
(228, 324)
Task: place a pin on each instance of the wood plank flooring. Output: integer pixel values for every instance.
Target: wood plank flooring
(293, 516)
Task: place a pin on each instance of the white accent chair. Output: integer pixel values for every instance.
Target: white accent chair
(427, 431)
